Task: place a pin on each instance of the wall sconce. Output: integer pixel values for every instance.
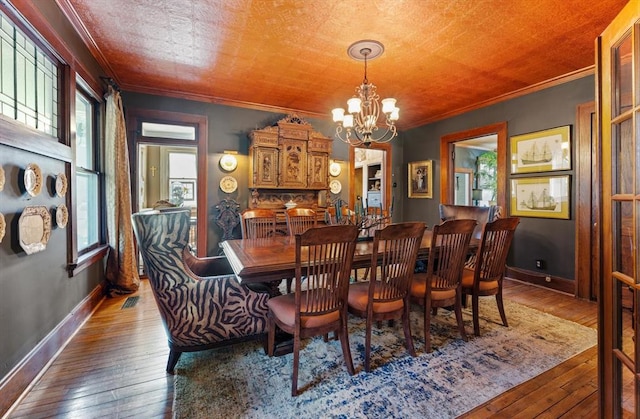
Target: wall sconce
(228, 161)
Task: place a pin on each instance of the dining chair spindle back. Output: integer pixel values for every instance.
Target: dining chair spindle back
(258, 223)
(324, 256)
(440, 286)
(386, 295)
(487, 276)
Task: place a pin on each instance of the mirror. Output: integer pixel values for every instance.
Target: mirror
(478, 158)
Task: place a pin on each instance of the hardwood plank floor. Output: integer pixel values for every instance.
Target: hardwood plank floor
(115, 367)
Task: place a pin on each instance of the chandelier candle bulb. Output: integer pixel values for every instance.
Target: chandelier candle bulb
(348, 121)
(338, 114)
(388, 105)
(354, 105)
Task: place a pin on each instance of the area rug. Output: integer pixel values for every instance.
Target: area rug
(242, 382)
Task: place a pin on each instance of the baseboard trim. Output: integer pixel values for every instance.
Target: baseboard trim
(557, 283)
(21, 377)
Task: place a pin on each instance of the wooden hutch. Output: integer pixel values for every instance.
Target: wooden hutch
(288, 161)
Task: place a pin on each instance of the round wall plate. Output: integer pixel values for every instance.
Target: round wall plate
(62, 216)
(335, 186)
(33, 179)
(228, 162)
(228, 184)
(334, 169)
(61, 185)
(3, 226)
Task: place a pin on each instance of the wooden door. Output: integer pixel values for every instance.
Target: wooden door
(618, 51)
(588, 219)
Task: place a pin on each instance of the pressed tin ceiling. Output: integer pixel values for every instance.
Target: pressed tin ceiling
(441, 57)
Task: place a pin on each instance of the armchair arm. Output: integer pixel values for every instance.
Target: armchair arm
(209, 266)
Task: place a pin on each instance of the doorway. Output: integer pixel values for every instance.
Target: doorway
(168, 155)
(475, 142)
(370, 176)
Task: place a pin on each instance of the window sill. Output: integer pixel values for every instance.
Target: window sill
(87, 260)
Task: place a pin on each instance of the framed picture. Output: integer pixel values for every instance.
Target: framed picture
(189, 190)
(420, 179)
(541, 151)
(543, 197)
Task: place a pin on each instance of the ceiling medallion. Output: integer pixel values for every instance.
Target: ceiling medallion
(360, 125)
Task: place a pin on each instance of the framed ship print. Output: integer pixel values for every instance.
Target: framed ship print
(541, 151)
(543, 197)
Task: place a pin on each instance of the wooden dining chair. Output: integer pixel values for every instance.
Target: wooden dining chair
(299, 220)
(386, 295)
(258, 223)
(485, 279)
(440, 285)
(324, 255)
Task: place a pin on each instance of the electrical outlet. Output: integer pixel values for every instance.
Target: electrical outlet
(539, 263)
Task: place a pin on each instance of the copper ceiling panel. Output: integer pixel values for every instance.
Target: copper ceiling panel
(440, 56)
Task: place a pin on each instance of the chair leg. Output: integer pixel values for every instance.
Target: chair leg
(501, 309)
(296, 361)
(458, 309)
(476, 314)
(271, 335)
(367, 345)
(174, 356)
(346, 350)
(407, 330)
(427, 325)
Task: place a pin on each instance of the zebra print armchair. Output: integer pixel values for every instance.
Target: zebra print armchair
(201, 303)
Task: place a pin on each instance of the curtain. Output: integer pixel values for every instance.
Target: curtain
(121, 272)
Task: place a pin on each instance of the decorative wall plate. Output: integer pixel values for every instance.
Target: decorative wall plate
(228, 162)
(228, 184)
(335, 186)
(334, 169)
(61, 184)
(1, 178)
(3, 226)
(34, 229)
(33, 179)
(62, 215)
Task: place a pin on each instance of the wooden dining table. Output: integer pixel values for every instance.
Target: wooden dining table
(274, 258)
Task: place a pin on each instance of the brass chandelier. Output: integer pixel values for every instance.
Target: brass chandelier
(360, 125)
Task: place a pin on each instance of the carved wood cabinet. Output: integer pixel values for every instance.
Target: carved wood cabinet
(288, 161)
(289, 155)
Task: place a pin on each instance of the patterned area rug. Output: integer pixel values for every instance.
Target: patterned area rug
(243, 382)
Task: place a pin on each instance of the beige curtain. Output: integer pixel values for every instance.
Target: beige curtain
(122, 272)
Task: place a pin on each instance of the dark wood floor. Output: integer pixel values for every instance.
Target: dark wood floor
(115, 367)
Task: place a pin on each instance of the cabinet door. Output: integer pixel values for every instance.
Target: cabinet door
(265, 167)
(293, 164)
(318, 176)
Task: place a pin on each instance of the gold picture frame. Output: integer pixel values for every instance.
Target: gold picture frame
(541, 151)
(542, 197)
(420, 184)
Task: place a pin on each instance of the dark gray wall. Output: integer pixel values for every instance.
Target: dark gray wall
(35, 291)
(536, 238)
(229, 129)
